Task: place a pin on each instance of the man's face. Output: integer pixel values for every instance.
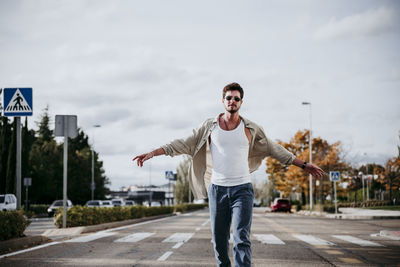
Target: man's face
(230, 101)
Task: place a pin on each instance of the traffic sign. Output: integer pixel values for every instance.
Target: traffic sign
(169, 175)
(17, 102)
(334, 176)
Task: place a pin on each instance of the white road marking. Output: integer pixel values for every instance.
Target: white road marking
(88, 238)
(136, 237)
(178, 237)
(105, 231)
(165, 256)
(178, 245)
(357, 241)
(269, 239)
(313, 240)
(204, 223)
(29, 249)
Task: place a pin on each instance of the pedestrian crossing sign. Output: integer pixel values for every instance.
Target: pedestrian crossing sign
(17, 102)
(169, 175)
(334, 176)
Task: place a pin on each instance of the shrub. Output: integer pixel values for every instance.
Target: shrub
(12, 224)
(84, 216)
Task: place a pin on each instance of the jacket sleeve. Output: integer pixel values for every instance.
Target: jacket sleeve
(185, 145)
(279, 153)
(270, 148)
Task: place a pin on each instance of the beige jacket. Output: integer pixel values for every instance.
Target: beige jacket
(197, 146)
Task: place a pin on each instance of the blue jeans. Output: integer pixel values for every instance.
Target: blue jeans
(231, 204)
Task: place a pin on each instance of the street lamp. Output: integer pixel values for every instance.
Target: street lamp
(310, 145)
(92, 186)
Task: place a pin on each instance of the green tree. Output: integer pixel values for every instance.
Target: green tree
(80, 171)
(45, 159)
(181, 190)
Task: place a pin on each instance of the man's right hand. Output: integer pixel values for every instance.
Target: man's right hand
(142, 158)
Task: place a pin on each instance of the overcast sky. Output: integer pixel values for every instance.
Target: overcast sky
(150, 71)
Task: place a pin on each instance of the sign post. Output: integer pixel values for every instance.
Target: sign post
(334, 176)
(66, 125)
(171, 177)
(17, 102)
(27, 184)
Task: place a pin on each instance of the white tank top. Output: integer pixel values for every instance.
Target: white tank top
(229, 153)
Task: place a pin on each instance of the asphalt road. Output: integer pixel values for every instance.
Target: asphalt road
(185, 240)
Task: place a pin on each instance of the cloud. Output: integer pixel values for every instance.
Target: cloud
(370, 23)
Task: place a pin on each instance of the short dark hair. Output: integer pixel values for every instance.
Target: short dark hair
(233, 87)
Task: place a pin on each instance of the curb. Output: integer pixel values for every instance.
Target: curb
(390, 234)
(22, 243)
(361, 217)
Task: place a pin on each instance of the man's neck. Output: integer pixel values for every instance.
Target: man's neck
(231, 117)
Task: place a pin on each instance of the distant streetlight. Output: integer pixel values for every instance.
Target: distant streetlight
(310, 145)
(92, 186)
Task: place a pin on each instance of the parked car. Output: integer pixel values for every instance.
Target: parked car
(94, 203)
(129, 203)
(280, 204)
(118, 202)
(57, 204)
(107, 203)
(152, 204)
(256, 203)
(8, 202)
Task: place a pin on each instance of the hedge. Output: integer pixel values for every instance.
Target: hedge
(12, 224)
(84, 216)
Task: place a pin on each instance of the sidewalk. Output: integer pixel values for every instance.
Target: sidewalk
(355, 214)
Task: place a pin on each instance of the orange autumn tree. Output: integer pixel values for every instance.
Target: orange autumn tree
(290, 179)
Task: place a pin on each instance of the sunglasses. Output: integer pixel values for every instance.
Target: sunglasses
(229, 97)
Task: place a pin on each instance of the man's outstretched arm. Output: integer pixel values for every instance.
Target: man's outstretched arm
(142, 158)
(314, 170)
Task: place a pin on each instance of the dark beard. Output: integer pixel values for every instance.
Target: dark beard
(233, 111)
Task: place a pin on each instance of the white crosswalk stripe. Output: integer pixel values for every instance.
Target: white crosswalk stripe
(358, 241)
(133, 238)
(91, 237)
(314, 240)
(178, 237)
(269, 239)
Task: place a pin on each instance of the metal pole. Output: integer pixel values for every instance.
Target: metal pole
(26, 198)
(92, 185)
(335, 198)
(18, 161)
(363, 193)
(65, 171)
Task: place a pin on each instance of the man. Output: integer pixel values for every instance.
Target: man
(224, 151)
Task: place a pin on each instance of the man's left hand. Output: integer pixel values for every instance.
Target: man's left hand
(314, 170)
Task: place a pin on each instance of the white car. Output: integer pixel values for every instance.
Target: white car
(8, 202)
(107, 203)
(118, 202)
(152, 204)
(129, 203)
(94, 203)
(57, 204)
